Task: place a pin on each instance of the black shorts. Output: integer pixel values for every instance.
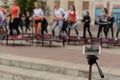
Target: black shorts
(38, 21)
(44, 24)
(71, 23)
(15, 23)
(65, 25)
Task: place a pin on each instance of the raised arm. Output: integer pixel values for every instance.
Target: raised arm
(65, 14)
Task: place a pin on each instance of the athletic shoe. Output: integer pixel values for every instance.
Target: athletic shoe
(10, 37)
(78, 37)
(106, 40)
(116, 39)
(19, 36)
(67, 37)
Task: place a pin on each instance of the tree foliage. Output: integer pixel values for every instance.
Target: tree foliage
(27, 5)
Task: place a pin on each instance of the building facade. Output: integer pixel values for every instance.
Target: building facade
(93, 6)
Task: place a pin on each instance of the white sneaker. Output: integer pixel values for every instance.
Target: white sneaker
(78, 37)
(116, 39)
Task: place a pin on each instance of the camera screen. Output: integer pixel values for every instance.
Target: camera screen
(91, 50)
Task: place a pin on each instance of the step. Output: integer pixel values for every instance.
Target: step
(15, 73)
(4, 79)
(71, 69)
(44, 65)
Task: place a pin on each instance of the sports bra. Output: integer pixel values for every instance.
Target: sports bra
(14, 12)
(72, 16)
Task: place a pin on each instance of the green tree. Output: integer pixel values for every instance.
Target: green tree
(27, 5)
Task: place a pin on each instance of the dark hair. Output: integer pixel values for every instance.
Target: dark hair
(87, 13)
(73, 8)
(106, 11)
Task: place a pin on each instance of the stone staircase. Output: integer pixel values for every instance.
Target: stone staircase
(15, 73)
(23, 68)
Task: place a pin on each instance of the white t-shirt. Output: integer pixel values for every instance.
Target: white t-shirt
(38, 12)
(59, 13)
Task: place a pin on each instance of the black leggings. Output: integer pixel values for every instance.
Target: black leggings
(44, 30)
(14, 26)
(117, 33)
(69, 29)
(87, 26)
(105, 27)
(27, 25)
(112, 32)
(64, 27)
(44, 26)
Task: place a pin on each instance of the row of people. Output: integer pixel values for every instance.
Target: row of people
(105, 21)
(16, 21)
(71, 17)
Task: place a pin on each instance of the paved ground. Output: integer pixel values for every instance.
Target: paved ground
(73, 54)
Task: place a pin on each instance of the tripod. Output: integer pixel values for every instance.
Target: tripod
(92, 60)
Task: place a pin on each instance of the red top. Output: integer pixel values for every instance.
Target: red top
(14, 12)
(72, 17)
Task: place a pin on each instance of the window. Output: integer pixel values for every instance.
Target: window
(116, 14)
(97, 14)
(44, 4)
(58, 1)
(70, 3)
(85, 5)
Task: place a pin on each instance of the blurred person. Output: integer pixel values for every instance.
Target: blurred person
(22, 22)
(86, 20)
(118, 30)
(103, 23)
(58, 19)
(14, 22)
(44, 26)
(38, 17)
(111, 22)
(27, 21)
(73, 17)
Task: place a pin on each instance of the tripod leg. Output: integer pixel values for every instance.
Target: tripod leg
(90, 72)
(100, 71)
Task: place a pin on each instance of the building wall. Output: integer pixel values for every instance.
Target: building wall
(81, 5)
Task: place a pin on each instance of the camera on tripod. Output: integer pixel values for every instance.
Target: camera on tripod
(92, 50)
